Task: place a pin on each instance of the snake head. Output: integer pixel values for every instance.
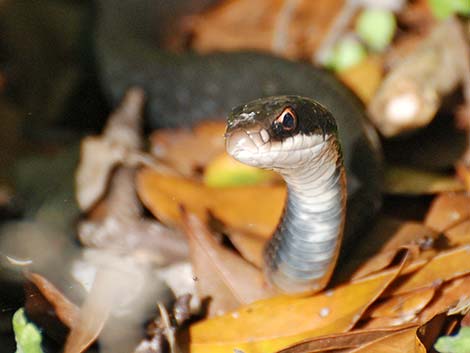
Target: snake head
(278, 132)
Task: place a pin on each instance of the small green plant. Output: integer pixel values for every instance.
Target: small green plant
(460, 343)
(27, 335)
(442, 9)
(376, 28)
(346, 53)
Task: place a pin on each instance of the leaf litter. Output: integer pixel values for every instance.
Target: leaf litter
(394, 292)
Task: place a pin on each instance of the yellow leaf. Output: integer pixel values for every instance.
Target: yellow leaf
(269, 325)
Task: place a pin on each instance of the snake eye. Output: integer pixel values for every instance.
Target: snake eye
(287, 121)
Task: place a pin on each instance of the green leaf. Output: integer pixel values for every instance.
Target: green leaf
(459, 343)
(27, 335)
(442, 9)
(376, 28)
(226, 172)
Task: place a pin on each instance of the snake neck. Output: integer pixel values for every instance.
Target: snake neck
(301, 255)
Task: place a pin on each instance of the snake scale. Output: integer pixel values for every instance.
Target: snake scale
(185, 88)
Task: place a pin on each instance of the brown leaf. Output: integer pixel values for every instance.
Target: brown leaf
(346, 340)
(411, 181)
(405, 234)
(404, 341)
(66, 311)
(463, 167)
(447, 210)
(289, 28)
(459, 234)
(234, 206)
(100, 154)
(250, 246)
(448, 295)
(272, 324)
(94, 312)
(221, 274)
(405, 305)
(445, 266)
(364, 78)
(189, 151)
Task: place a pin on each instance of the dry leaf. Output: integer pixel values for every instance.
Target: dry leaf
(93, 314)
(447, 210)
(411, 93)
(409, 181)
(272, 324)
(250, 246)
(225, 171)
(364, 78)
(163, 196)
(403, 306)
(99, 155)
(459, 234)
(346, 340)
(292, 28)
(463, 167)
(445, 266)
(66, 311)
(449, 294)
(188, 151)
(222, 275)
(404, 341)
(404, 234)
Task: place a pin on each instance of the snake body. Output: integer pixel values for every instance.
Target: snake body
(185, 88)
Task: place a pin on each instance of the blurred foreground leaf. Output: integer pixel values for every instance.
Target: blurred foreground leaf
(27, 335)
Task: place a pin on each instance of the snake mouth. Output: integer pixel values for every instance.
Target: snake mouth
(246, 145)
(255, 147)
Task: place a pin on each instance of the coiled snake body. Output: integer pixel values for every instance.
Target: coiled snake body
(184, 88)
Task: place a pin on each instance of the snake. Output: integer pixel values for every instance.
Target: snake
(184, 88)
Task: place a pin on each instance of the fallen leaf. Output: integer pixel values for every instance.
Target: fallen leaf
(411, 181)
(347, 340)
(292, 29)
(272, 324)
(364, 78)
(404, 341)
(225, 171)
(448, 295)
(459, 234)
(462, 168)
(237, 24)
(222, 275)
(447, 210)
(67, 312)
(250, 246)
(94, 312)
(405, 305)
(404, 234)
(163, 196)
(445, 266)
(100, 154)
(188, 151)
